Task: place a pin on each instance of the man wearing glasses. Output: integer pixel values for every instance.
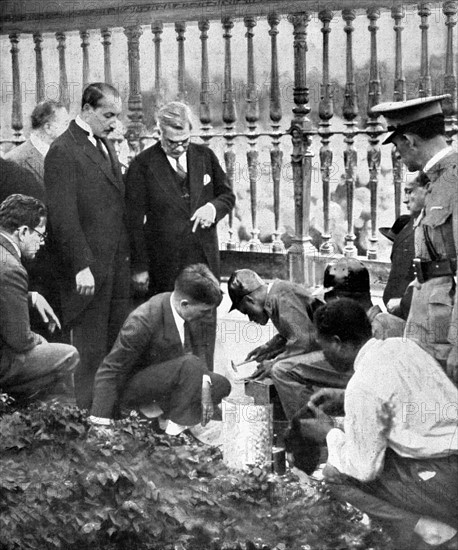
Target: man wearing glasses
(176, 193)
(30, 367)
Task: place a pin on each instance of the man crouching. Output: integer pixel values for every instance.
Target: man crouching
(158, 359)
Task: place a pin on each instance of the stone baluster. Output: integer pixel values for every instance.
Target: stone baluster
(180, 29)
(373, 130)
(229, 117)
(424, 11)
(63, 81)
(39, 69)
(204, 111)
(449, 106)
(252, 117)
(276, 155)
(135, 105)
(106, 42)
(326, 112)
(16, 113)
(399, 94)
(157, 28)
(84, 35)
(301, 269)
(350, 112)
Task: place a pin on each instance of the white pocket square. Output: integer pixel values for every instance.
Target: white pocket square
(207, 179)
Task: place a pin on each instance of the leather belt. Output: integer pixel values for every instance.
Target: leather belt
(425, 270)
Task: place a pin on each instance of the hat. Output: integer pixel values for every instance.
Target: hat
(241, 283)
(400, 115)
(391, 232)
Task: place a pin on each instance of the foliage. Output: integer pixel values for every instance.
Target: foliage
(63, 487)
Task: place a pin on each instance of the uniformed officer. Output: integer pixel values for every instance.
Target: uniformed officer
(418, 133)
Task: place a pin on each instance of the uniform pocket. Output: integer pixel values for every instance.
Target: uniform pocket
(440, 306)
(437, 215)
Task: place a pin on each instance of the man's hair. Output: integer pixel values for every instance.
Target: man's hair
(199, 284)
(305, 450)
(427, 128)
(95, 92)
(175, 115)
(44, 112)
(18, 210)
(344, 318)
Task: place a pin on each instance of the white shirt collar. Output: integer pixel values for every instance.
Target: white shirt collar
(183, 162)
(85, 126)
(179, 321)
(436, 158)
(7, 237)
(39, 144)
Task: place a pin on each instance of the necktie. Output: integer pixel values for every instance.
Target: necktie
(183, 181)
(100, 146)
(187, 346)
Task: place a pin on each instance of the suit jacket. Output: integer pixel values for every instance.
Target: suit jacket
(30, 158)
(151, 191)
(16, 179)
(85, 199)
(15, 334)
(148, 337)
(402, 271)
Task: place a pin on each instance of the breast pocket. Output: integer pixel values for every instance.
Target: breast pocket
(440, 306)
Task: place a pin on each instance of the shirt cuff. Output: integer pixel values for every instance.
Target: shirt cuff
(97, 420)
(214, 211)
(33, 298)
(206, 378)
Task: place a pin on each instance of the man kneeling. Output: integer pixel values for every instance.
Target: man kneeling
(397, 459)
(158, 359)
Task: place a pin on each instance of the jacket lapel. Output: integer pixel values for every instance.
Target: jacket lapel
(195, 175)
(405, 232)
(80, 136)
(170, 329)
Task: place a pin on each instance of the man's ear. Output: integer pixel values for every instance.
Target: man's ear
(21, 231)
(184, 303)
(410, 139)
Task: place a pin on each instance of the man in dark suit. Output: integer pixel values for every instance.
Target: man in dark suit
(159, 358)
(29, 365)
(85, 196)
(398, 291)
(182, 191)
(49, 120)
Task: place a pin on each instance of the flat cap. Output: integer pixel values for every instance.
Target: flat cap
(241, 283)
(400, 115)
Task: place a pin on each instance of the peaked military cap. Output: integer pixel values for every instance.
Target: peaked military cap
(400, 115)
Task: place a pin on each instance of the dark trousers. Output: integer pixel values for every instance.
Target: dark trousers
(95, 330)
(176, 385)
(406, 490)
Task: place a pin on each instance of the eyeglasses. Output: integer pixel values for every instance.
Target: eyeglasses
(175, 144)
(43, 236)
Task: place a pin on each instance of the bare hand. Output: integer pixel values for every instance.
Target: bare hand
(263, 371)
(203, 216)
(255, 353)
(207, 403)
(332, 474)
(141, 281)
(47, 313)
(393, 304)
(85, 283)
(327, 400)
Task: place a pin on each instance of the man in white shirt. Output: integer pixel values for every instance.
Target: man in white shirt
(158, 362)
(397, 459)
(418, 133)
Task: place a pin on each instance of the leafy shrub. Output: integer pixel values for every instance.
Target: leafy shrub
(63, 487)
